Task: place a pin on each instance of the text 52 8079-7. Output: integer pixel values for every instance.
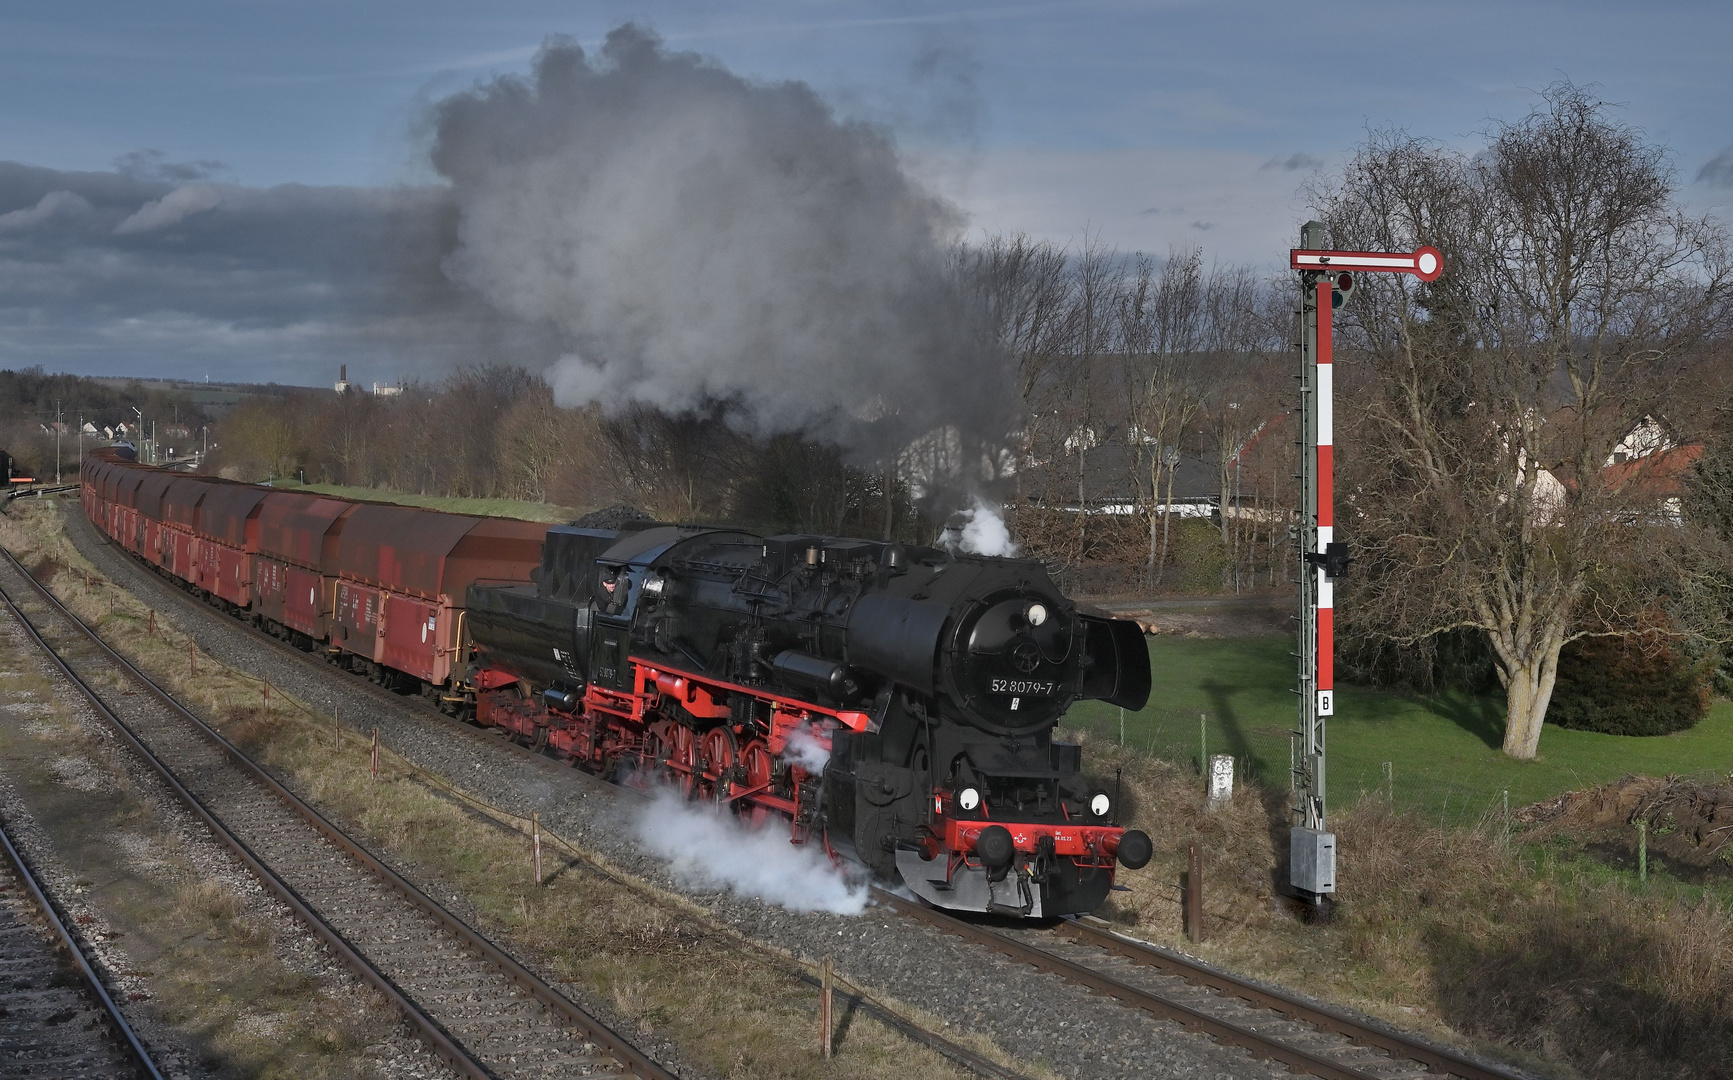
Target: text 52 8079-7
(1022, 686)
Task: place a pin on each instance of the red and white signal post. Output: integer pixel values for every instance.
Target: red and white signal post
(1325, 277)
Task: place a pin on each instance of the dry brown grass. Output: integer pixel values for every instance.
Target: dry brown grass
(1508, 946)
(735, 1009)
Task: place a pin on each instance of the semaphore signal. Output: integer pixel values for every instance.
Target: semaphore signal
(1325, 277)
(1424, 262)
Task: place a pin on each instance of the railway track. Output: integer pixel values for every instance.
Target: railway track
(55, 1025)
(479, 1009)
(1306, 1037)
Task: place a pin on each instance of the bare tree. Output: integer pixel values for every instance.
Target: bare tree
(1239, 383)
(1485, 407)
(1162, 324)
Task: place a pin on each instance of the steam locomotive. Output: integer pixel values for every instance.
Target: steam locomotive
(934, 680)
(894, 704)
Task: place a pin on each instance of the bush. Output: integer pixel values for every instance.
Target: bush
(1196, 546)
(1629, 686)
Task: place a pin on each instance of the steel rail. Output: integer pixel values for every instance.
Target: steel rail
(612, 1043)
(323, 669)
(1226, 1030)
(1436, 1058)
(133, 1045)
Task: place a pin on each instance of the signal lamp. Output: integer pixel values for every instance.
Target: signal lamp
(1036, 614)
(1344, 282)
(969, 798)
(1099, 804)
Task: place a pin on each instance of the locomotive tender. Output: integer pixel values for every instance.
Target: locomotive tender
(893, 703)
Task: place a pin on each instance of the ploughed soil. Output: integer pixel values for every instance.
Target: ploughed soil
(1689, 823)
(1208, 617)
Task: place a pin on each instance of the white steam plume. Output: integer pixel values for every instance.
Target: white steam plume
(695, 238)
(806, 749)
(984, 531)
(707, 849)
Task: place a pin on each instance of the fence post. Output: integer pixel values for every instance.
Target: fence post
(375, 755)
(1193, 895)
(824, 997)
(536, 843)
(192, 657)
(152, 630)
(336, 731)
(1643, 850)
(267, 692)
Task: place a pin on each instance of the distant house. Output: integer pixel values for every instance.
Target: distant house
(1109, 486)
(1647, 462)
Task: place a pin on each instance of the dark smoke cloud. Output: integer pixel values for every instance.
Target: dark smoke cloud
(1718, 170)
(696, 238)
(152, 269)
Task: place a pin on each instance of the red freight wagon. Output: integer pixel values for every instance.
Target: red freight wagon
(403, 572)
(150, 512)
(297, 551)
(180, 520)
(107, 496)
(88, 470)
(131, 523)
(229, 526)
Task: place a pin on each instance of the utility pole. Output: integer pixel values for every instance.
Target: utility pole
(1326, 278)
(59, 425)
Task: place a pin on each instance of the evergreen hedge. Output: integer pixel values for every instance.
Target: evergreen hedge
(1629, 686)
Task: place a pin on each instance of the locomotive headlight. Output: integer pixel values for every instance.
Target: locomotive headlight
(654, 585)
(1099, 804)
(968, 798)
(1036, 614)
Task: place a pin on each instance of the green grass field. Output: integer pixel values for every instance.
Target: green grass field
(510, 508)
(1443, 750)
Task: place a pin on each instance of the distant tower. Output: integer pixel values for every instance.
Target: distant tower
(342, 378)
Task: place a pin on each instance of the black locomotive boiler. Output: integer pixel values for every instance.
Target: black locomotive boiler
(893, 703)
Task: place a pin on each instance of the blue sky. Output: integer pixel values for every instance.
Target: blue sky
(1148, 123)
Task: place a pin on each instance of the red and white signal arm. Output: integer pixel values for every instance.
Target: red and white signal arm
(1424, 262)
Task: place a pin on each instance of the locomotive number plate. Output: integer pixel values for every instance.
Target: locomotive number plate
(1023, 686)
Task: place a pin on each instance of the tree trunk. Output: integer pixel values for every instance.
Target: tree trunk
(890, 497)
(1166, 516)
(1528, 687)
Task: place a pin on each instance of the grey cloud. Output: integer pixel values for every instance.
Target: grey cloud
(172, 208)
(279, 283)
(155, 167)
(1203, 226)
(1293, 163)
(62, 203)
(694, 237)
(1718, 170)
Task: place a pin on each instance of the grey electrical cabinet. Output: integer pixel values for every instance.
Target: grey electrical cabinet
(1312, 861)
